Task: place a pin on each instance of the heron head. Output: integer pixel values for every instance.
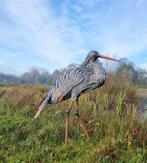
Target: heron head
(94, 55)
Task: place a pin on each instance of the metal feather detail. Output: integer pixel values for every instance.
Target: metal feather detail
(76, 80)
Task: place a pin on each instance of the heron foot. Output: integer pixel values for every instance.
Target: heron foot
(82, 126)
(67, 123)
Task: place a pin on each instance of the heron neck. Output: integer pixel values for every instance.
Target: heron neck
(99, 72)
(87, 63)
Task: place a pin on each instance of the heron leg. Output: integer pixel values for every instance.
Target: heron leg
(80, 122)
(67, 122)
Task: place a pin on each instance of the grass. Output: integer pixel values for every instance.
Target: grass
(110, 113)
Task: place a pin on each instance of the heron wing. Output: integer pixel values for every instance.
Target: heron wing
(66, 81)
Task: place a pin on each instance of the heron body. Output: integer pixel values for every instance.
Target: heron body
(74, 81)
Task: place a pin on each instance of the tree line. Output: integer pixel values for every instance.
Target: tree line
(125, 69)
(129, 71)
(34, 75)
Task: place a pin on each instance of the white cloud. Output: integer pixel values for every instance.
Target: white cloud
(41, 31)
(115, 28)
(143, 65)
(6, 68)
(33, 26)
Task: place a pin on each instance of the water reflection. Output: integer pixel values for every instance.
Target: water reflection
(144, 111)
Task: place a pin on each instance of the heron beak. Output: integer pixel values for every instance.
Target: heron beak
(108, 58)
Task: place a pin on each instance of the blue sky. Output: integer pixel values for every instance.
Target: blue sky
(53, 33)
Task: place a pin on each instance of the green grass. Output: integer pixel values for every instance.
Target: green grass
(117, 133)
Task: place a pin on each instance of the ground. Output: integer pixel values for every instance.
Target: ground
(118, 133)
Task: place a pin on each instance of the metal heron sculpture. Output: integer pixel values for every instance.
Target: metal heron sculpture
(73, 82)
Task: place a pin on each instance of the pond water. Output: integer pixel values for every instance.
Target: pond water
(144, 112)
(143, 107)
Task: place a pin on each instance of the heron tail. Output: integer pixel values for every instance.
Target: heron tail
(42, 105)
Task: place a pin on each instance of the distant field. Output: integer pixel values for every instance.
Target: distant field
(109, 113)
(142, 92)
